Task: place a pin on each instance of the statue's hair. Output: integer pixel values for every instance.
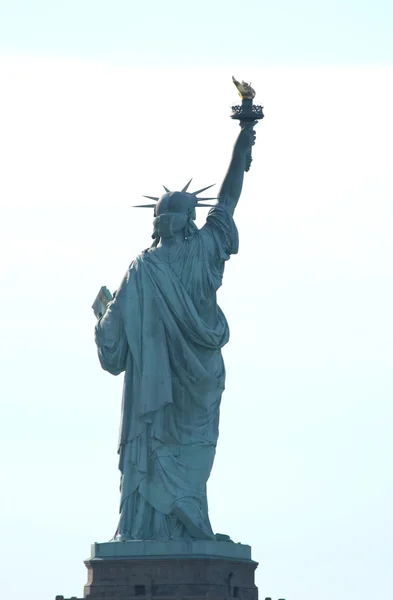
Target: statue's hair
(168, 224)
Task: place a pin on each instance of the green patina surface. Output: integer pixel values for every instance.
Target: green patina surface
(165, 331)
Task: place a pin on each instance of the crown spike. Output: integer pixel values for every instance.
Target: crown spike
(203, 189)
(186, 186)
(203, 200)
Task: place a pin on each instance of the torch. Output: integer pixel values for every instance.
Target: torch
(247, 113)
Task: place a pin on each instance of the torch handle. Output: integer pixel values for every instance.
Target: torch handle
(248, 161)
(248, 158)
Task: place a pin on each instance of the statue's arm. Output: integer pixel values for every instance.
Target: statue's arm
(111, 340)
(231, 188)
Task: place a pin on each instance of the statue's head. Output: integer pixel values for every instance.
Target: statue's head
(175, 212)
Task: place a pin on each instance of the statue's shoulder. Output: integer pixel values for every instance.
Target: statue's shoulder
(141, 259)
(219, 217)
(148, 259)
(137, 265)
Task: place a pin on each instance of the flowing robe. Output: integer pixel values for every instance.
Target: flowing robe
(165, 330)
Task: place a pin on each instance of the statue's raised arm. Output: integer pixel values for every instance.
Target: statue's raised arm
(231, 188)
(248, 114)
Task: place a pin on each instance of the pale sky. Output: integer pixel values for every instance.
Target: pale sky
(102, 103)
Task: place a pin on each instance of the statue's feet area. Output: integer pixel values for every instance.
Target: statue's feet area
(222, 537)
(193, 523)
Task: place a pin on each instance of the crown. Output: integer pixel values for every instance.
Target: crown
(198, 203)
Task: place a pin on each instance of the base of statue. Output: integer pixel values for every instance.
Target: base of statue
(172, 570)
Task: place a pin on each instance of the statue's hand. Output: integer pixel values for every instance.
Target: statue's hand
(245, 142)
(246, 138)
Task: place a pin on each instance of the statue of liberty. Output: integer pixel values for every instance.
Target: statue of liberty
(165, 330)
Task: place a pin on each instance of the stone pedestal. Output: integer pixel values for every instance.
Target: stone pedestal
(194, 570)
(175, 578)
